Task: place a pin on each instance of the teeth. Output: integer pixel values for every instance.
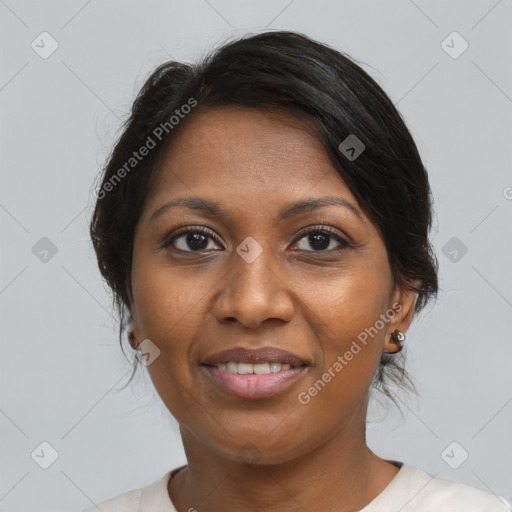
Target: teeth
(258, 369)
(261, 369)
(275, 367)
(245, 368)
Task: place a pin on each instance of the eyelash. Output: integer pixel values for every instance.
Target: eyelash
(327, 230)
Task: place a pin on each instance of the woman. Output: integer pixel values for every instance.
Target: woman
(263, 221)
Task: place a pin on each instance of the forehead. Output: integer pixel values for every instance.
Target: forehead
(253, 157)
(231, 129)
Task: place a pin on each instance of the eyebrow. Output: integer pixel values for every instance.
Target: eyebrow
(213, 208)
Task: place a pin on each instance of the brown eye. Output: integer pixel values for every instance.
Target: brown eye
(191, 239)
(321, 240)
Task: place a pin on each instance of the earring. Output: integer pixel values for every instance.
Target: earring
(397, 337)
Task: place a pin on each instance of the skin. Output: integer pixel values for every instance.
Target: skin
(312, 302)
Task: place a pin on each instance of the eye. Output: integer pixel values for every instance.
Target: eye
(194, 238)
(320, 238)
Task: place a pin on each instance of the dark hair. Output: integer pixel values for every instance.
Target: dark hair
(288, 72)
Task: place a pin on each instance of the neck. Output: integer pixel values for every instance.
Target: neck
(342, 474)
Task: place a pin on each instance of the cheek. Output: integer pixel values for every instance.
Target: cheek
(168, 304)
(169, 314)
(351, 301)
(348, 323)
(351, 352)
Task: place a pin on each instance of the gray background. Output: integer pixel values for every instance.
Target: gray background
(62, 367)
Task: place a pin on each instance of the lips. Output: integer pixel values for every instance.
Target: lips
(257, 356)
(254, 374)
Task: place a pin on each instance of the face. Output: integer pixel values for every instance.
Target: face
(252, 273)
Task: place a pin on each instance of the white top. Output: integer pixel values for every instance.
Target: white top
(411, 490)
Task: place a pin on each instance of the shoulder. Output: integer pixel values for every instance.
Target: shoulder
(153, 497)
(127, 502)
(421, 492)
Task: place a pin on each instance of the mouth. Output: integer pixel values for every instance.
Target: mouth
(257, 369)
(254, 374)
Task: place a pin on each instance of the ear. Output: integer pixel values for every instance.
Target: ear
(402, 303)
(133, 328)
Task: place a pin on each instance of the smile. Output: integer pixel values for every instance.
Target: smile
(248, 368)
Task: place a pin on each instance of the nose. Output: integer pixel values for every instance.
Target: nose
(253, 293)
